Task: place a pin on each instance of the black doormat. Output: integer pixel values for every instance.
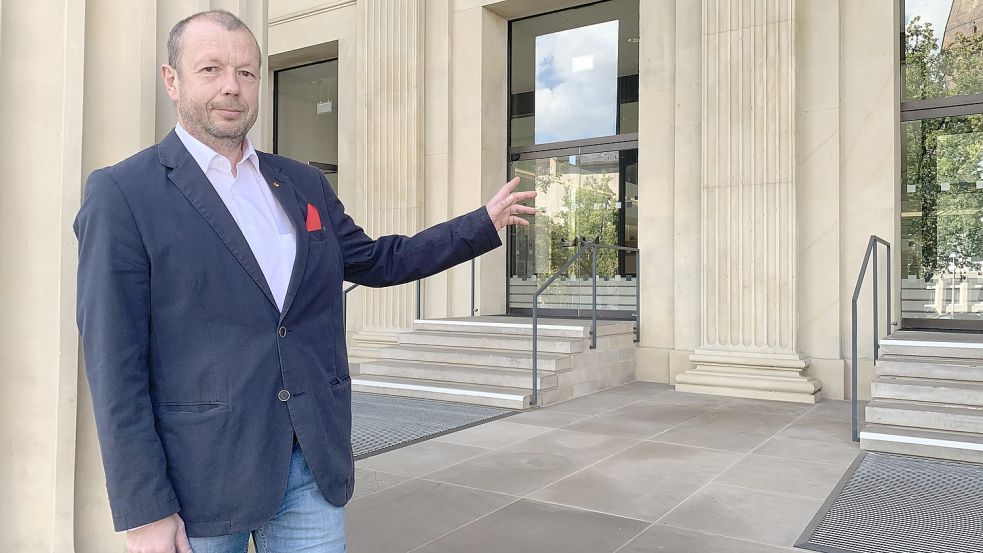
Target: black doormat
(382, 423)
(900, 504)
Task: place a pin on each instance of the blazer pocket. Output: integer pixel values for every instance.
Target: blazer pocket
(206, 407)
(317, 235)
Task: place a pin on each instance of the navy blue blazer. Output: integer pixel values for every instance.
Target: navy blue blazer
(188, 358)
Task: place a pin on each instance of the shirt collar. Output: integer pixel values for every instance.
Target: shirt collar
(204, 156)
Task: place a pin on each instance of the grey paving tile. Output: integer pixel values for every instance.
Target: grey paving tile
(644, 482)
(836, 410)
(370, 481)
(523, 468)
(594, 404)
(817, 440)
(538, 527)
(421, 458)
(686, 398)
(666, 539)
(403, 517)
(493, 435)
(747, 514)
(782, 408)
(726, 429)
(546, 416)
(639, 420)
(636, 390)
(788, 476)
(806, 450)
(819, 430)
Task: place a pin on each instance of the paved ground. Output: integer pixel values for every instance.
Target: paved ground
(639, 468)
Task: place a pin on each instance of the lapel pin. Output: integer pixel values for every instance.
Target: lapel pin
(276, 184)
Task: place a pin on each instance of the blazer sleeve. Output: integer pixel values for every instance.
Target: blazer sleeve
(113, 313)
(397, 259)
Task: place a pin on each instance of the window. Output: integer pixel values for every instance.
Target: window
(573, 119)
(305, 116)
(942, 164)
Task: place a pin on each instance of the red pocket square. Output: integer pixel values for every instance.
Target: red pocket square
(313, 218)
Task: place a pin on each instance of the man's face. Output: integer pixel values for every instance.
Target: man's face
(216, 86)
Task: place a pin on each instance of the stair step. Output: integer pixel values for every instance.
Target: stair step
(483, 358)
(925, 416)
(970, 370)
(493, 341)
(928, 391)
(934, 345)
(957, 446)
(516, 326)
(458, 374)
(494, 396)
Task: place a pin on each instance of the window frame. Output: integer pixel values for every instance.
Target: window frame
(920, 110)
(617, 142)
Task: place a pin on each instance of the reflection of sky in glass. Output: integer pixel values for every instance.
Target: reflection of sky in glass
(577, 83)
(935, 12)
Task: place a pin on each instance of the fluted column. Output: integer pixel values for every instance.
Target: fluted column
(389, 167)
(749, 211)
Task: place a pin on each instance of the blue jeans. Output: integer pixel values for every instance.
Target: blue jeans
(305, 522)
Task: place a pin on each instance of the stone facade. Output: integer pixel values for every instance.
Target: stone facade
(81, 90)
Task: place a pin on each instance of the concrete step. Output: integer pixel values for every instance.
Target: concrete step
(459, 374)
(493, 341)
(925, 416)
(510, 359)
(970, 370)
(946, 392)
(494, 396)
(933, 345)
(521, 326)
(956, 446)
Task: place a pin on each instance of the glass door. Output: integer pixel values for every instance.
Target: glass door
(582, 196)
(942, 166)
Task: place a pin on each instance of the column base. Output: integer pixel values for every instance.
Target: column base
(755, 376)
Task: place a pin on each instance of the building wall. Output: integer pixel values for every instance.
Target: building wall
(80, 83)
(846, 148)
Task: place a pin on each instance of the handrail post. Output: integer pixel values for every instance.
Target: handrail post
(854, 372)
(535, 329)
(473, 310)
(593, 313)
(875, 304)
(638, 297)
(419, 306)
(890, 296)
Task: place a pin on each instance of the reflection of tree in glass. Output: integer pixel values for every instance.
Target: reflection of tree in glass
(944, 151)
(591, 212)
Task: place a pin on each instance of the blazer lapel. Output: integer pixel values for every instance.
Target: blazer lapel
(295, 206)
(188, 178)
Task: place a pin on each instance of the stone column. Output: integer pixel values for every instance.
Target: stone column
(749, 214)
(79, 82)
(389, 150)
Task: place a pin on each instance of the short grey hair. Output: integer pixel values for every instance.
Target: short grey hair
(226, 19)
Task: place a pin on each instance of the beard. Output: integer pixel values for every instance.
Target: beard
(196, 118)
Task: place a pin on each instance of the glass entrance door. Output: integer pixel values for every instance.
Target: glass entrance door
(583, 195)
(942, 224)
(942, 166)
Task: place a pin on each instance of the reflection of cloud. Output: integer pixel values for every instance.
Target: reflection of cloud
(576, 99)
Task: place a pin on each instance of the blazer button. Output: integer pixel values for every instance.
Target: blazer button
(283, 395)
(282, 331)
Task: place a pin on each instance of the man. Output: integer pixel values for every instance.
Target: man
(209, 302)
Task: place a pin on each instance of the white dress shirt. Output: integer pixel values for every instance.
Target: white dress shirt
(261, 218)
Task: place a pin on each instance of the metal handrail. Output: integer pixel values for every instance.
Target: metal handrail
(584, 245)
(419, 295)
(871, 250)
